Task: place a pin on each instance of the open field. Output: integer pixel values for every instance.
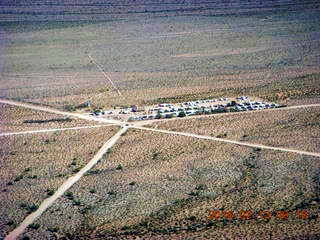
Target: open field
(14, 119)
(33, 166)
(292, 128)
(151, 183)
(190, 53)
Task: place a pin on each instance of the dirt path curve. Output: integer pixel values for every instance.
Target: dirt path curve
(105, 74)
(146, 122)
(232, 141)
(55, 111)
(54, 130)
(64, 187)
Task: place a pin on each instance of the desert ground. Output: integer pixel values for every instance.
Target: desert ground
(292, 128)
(64, 174)
(15, 119)
(266, 52)
(166, 186)
(33, 166)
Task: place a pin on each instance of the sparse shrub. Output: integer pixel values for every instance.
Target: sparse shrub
(27, 170)
(30, 208)
(47, 141)
(109, 151)
(69, 195)
(76, 170)
(181, 114)
(112, 192)
(54, 229)
(119, 167)
(34, 226)
(76, 202)
(10, 223)
(125, 228)
(33, 176)
(201, 187)
(155, 155)
(92, 191)
(96, 171)
(9, 183)
(159, 116)
(85, 209)
(193, 193)
(18, 178)
(192, 218)
(23, 205)
(50, 191)
(69, 107)
(132, 183)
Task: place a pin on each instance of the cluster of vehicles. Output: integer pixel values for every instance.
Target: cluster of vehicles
(168, 110)
(249, 106)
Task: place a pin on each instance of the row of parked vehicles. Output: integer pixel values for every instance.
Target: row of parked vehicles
(249, 106)
(188, 110)
(168, 110)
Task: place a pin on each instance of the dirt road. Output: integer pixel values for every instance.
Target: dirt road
(231, 141)
(105, 74)
(137, 125)
(55, 111)
(53, 130)
(64, 187)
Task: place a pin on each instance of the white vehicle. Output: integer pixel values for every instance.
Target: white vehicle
(242, 98)
(190, 112)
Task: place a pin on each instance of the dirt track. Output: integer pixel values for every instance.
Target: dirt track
(53, 130)
(138, 125)
(105, 74)
(55, 111)
(231, 141)
(64, 187)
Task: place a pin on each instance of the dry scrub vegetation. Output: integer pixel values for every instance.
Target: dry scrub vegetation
(160, 186)
(286, 86)
(15, 119)
(32, 167)
(265, 53)
(292, 128)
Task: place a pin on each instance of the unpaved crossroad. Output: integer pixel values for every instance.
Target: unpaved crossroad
(64, 187)
(231, 141)
(54, 130)
(55, 111)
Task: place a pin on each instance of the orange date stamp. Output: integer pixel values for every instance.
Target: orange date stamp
(261, 214)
